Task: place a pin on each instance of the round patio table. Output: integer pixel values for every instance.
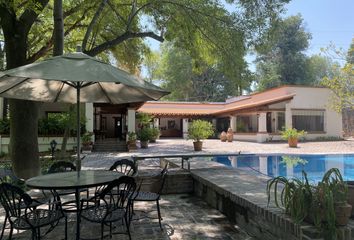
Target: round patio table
(75, 181)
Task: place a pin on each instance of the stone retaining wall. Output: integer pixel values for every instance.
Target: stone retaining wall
(258, 220)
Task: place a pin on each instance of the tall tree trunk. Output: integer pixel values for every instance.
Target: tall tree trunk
(24, 114)
(58, 49)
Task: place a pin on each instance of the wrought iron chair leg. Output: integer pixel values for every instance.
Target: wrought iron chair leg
(102, 230)
(10, 235)
(159, 213)
(127, 224)
(3, 227)
(34, 234)
(110, 230)
(66, 228)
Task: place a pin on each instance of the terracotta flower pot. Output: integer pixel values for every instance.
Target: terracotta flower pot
(350, 198)
(223, 136)
(230, 135)
(132, 145)
(292, 142)
(343, 212)
(198, 145)
(144, 144)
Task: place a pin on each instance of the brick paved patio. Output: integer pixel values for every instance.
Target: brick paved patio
(184, 217)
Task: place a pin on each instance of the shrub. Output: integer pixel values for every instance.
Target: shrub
(292, 133)
(132, 136)
(145, 134)
(155, 133)
(4, 126)
(199, 130)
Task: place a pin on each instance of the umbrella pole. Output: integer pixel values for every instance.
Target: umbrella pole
(78, 131)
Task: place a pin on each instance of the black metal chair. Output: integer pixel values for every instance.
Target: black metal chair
(111, 205)
(38, 199)
(154, 194)
(64, 166)
(23, 214)
(125, 166)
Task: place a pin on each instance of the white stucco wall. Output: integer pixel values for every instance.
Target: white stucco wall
(318, 98)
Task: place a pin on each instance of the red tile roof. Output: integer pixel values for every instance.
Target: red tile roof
(164, 108)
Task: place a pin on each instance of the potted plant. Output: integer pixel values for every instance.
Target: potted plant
(155, 134)
(144, 136)
(223, 136)
(323, 204)
(339, 188)
(199, 130)
(132, 141)
(292, 135)
(230, 135)
(86, 141)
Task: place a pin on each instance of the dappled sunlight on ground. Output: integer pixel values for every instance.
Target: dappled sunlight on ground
(184, 217)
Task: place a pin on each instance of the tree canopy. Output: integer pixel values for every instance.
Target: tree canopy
(341, 82)
(281, 59)
(115, 30)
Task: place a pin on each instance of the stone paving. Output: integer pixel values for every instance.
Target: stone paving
(187, 217)
(184, 217)
(181, 146)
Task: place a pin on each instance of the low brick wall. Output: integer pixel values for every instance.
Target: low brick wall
(176, 182)
(258, 220)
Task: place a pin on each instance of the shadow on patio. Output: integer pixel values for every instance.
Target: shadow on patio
(184, 217)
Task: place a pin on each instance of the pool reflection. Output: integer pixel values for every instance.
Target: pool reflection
(276, 165)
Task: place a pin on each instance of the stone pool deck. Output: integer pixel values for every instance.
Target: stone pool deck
(239, 195)
(184, 217)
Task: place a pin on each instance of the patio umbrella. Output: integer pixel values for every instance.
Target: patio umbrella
(76, 78)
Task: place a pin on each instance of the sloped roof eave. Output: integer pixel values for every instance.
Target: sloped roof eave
(252, 105)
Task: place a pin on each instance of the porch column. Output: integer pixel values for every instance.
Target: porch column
(89, 116)
(1, 108)
(288, 116)
(185, 128)
(233, 123)
(131, 120)
(213, 121)
(262, 134)
(263, 165)
(156, 123)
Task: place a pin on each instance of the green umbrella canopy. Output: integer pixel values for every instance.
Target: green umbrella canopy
(75, 78)
(56, 79)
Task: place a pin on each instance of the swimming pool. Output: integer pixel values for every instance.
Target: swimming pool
(292, 165)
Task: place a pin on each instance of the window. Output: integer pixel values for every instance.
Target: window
(280, 121)
(247, 124)
(308, 120)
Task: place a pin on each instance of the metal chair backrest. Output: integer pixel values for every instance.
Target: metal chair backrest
(158, 185)
(119, 191)
(13, 199)
(125, 166)
(61, 166)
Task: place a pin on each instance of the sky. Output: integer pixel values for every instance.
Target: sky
(327, 20)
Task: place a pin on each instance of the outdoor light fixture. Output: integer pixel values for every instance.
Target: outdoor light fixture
(53, 145)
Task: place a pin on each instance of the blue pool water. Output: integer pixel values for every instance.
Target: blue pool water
(292, 165)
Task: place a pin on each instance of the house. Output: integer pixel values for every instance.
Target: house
(257, 117)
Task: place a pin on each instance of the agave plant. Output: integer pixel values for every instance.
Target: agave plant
(295, 197)
(315, 203)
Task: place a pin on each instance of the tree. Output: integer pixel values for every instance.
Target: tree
(281, 58)
(116, 28)
(191, 79)
(16, 26)
(342, 81)
(318, 67)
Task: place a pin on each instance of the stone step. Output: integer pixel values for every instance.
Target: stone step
(110, 147)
